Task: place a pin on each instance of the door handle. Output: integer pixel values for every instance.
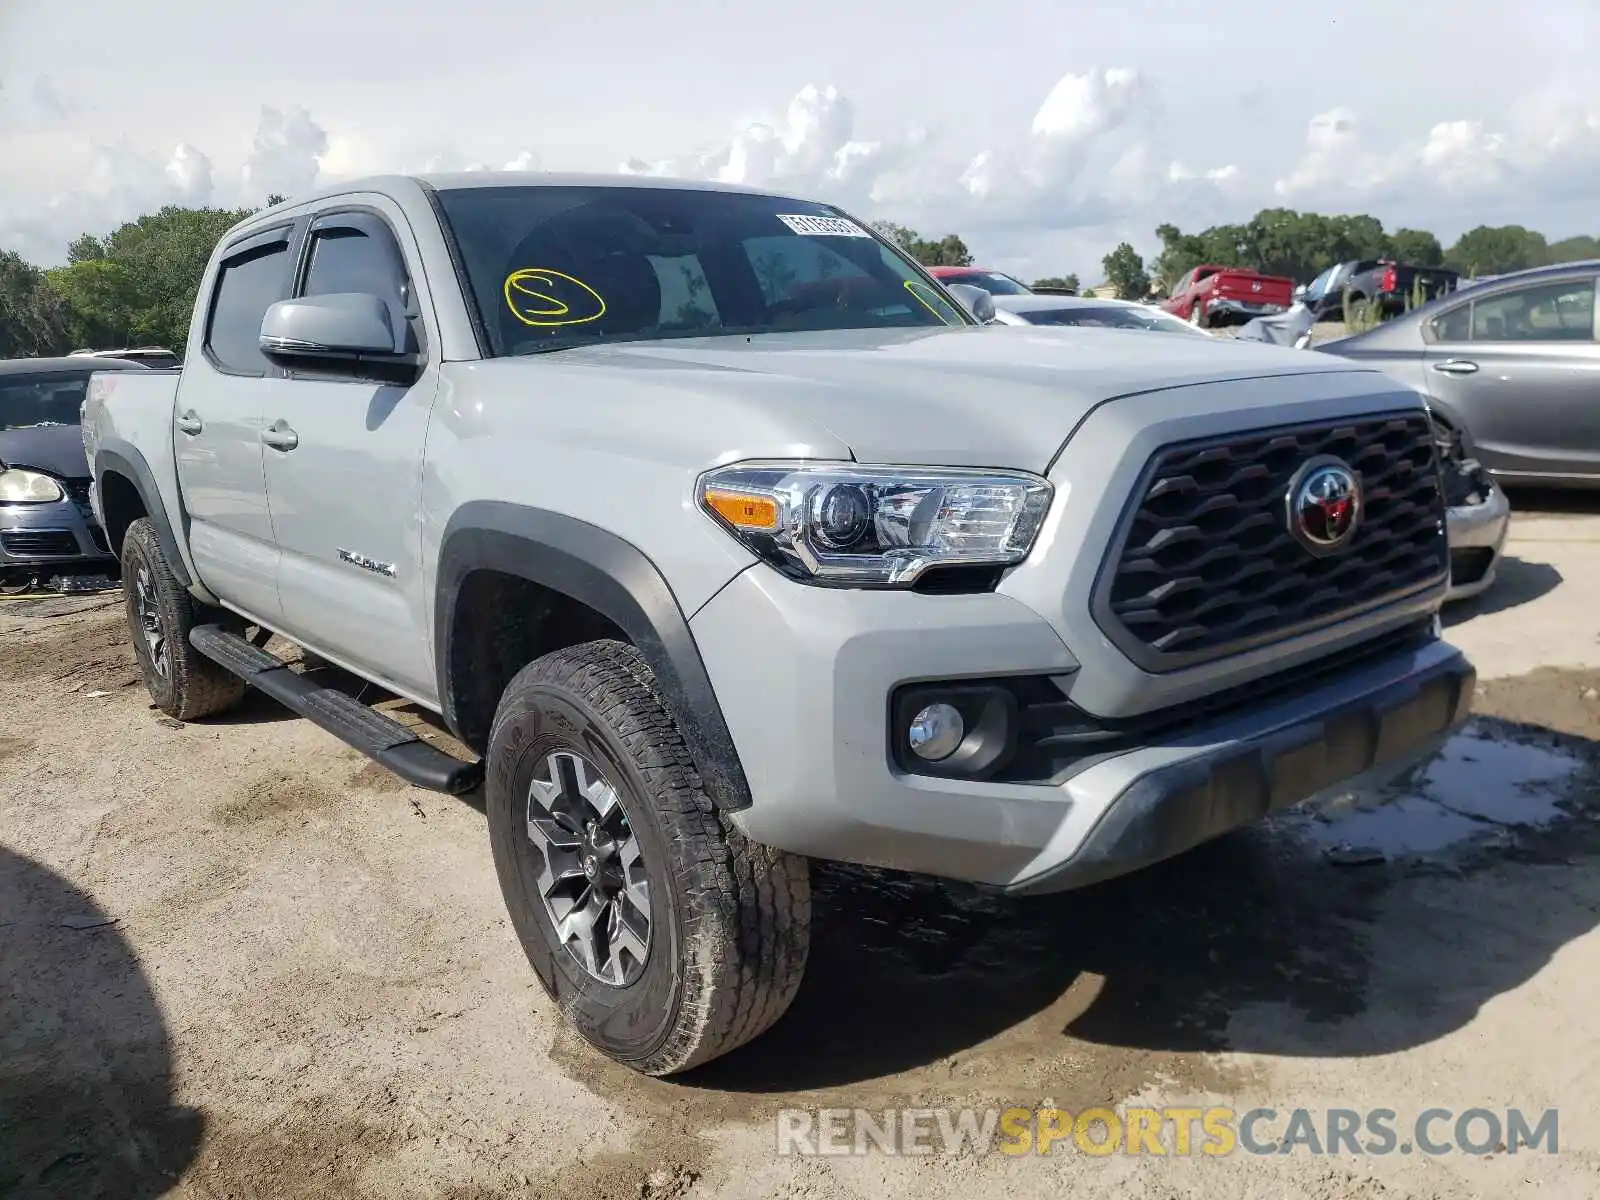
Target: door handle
(1455, 366)
(279, 436)
(190, 423)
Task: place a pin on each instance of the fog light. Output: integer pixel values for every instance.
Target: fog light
(936, 732)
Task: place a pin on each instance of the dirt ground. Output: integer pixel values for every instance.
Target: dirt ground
(241, 961)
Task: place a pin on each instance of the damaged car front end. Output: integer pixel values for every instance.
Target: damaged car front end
(1479, 516)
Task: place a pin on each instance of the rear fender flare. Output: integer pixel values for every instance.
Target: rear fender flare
(118, 457)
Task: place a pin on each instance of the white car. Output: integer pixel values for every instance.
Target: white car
(1086, 310)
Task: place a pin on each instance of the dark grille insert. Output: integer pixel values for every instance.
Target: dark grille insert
(43, 543)
(1207, 565)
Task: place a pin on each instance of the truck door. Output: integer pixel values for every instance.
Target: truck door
(217, 427)
(343, 466)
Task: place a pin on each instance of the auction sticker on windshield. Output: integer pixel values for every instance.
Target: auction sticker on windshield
(822, 226)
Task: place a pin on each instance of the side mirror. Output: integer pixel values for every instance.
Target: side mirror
(341, 327)
(975, 300)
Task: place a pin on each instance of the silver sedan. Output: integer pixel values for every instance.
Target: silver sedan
(1512, 366)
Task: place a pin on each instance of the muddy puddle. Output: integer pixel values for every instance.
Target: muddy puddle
(1487, 784)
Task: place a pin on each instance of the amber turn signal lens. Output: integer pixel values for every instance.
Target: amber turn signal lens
(743, 511)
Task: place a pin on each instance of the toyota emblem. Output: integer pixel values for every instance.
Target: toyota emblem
(1324, 503)
(1255, 285)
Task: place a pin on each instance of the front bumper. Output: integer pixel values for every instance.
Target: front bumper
(1477, 537)
(804, 677)
(62, 538)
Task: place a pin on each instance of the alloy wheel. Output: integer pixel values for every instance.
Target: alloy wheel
(592, 875)
(155, 639)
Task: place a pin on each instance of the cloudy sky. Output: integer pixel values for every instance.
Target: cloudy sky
(1041, 132)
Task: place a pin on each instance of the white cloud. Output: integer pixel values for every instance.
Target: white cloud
(1098, 160)
(47, 101)
(1546, 150)
(812, 147)
(286, 153)
(189, 170)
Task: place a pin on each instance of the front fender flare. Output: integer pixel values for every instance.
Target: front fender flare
(615, 579)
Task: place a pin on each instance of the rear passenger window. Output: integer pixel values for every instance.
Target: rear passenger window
(247, 286)
(1451, 326)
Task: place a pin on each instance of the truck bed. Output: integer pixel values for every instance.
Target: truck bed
(137, 427)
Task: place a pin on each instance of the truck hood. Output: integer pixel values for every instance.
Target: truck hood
(987, 396)
(54, 449)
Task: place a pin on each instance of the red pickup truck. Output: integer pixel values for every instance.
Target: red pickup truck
(1216, 295)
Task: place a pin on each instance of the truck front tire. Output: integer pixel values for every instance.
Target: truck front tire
(183, 682)
(664, 935)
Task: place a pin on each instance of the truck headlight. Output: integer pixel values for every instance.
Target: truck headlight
(28, 487)
(847, 525)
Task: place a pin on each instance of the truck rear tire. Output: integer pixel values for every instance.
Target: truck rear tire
(183, 682)
(664, 935)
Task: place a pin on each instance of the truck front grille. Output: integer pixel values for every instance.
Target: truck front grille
(1206, 564)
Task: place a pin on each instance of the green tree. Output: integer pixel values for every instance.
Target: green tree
(1068, 281)
(1125, 272)
(32, 316)
(137, 284)
(99, 298)
(1417, 248)
(1495, 250)
(948, 251)
(1573, 249)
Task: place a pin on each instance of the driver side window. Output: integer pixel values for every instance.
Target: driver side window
(361, 256)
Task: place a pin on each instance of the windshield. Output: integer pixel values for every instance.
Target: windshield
(555, 267)
(29, 400)
(1110, 317)
(992, 282)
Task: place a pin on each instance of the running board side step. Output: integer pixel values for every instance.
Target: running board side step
(380, 738)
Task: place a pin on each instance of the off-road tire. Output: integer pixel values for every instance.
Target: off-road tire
(193, 685)
(730, 918)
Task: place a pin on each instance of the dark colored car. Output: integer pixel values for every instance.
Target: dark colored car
(1512, 366)
(1391, 283)
(996, 283)
(47, 528)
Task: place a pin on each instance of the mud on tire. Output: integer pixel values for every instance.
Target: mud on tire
(728, 920)
(182, 681)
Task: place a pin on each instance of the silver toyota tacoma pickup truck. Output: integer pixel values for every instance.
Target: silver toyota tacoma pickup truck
(725, 537)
